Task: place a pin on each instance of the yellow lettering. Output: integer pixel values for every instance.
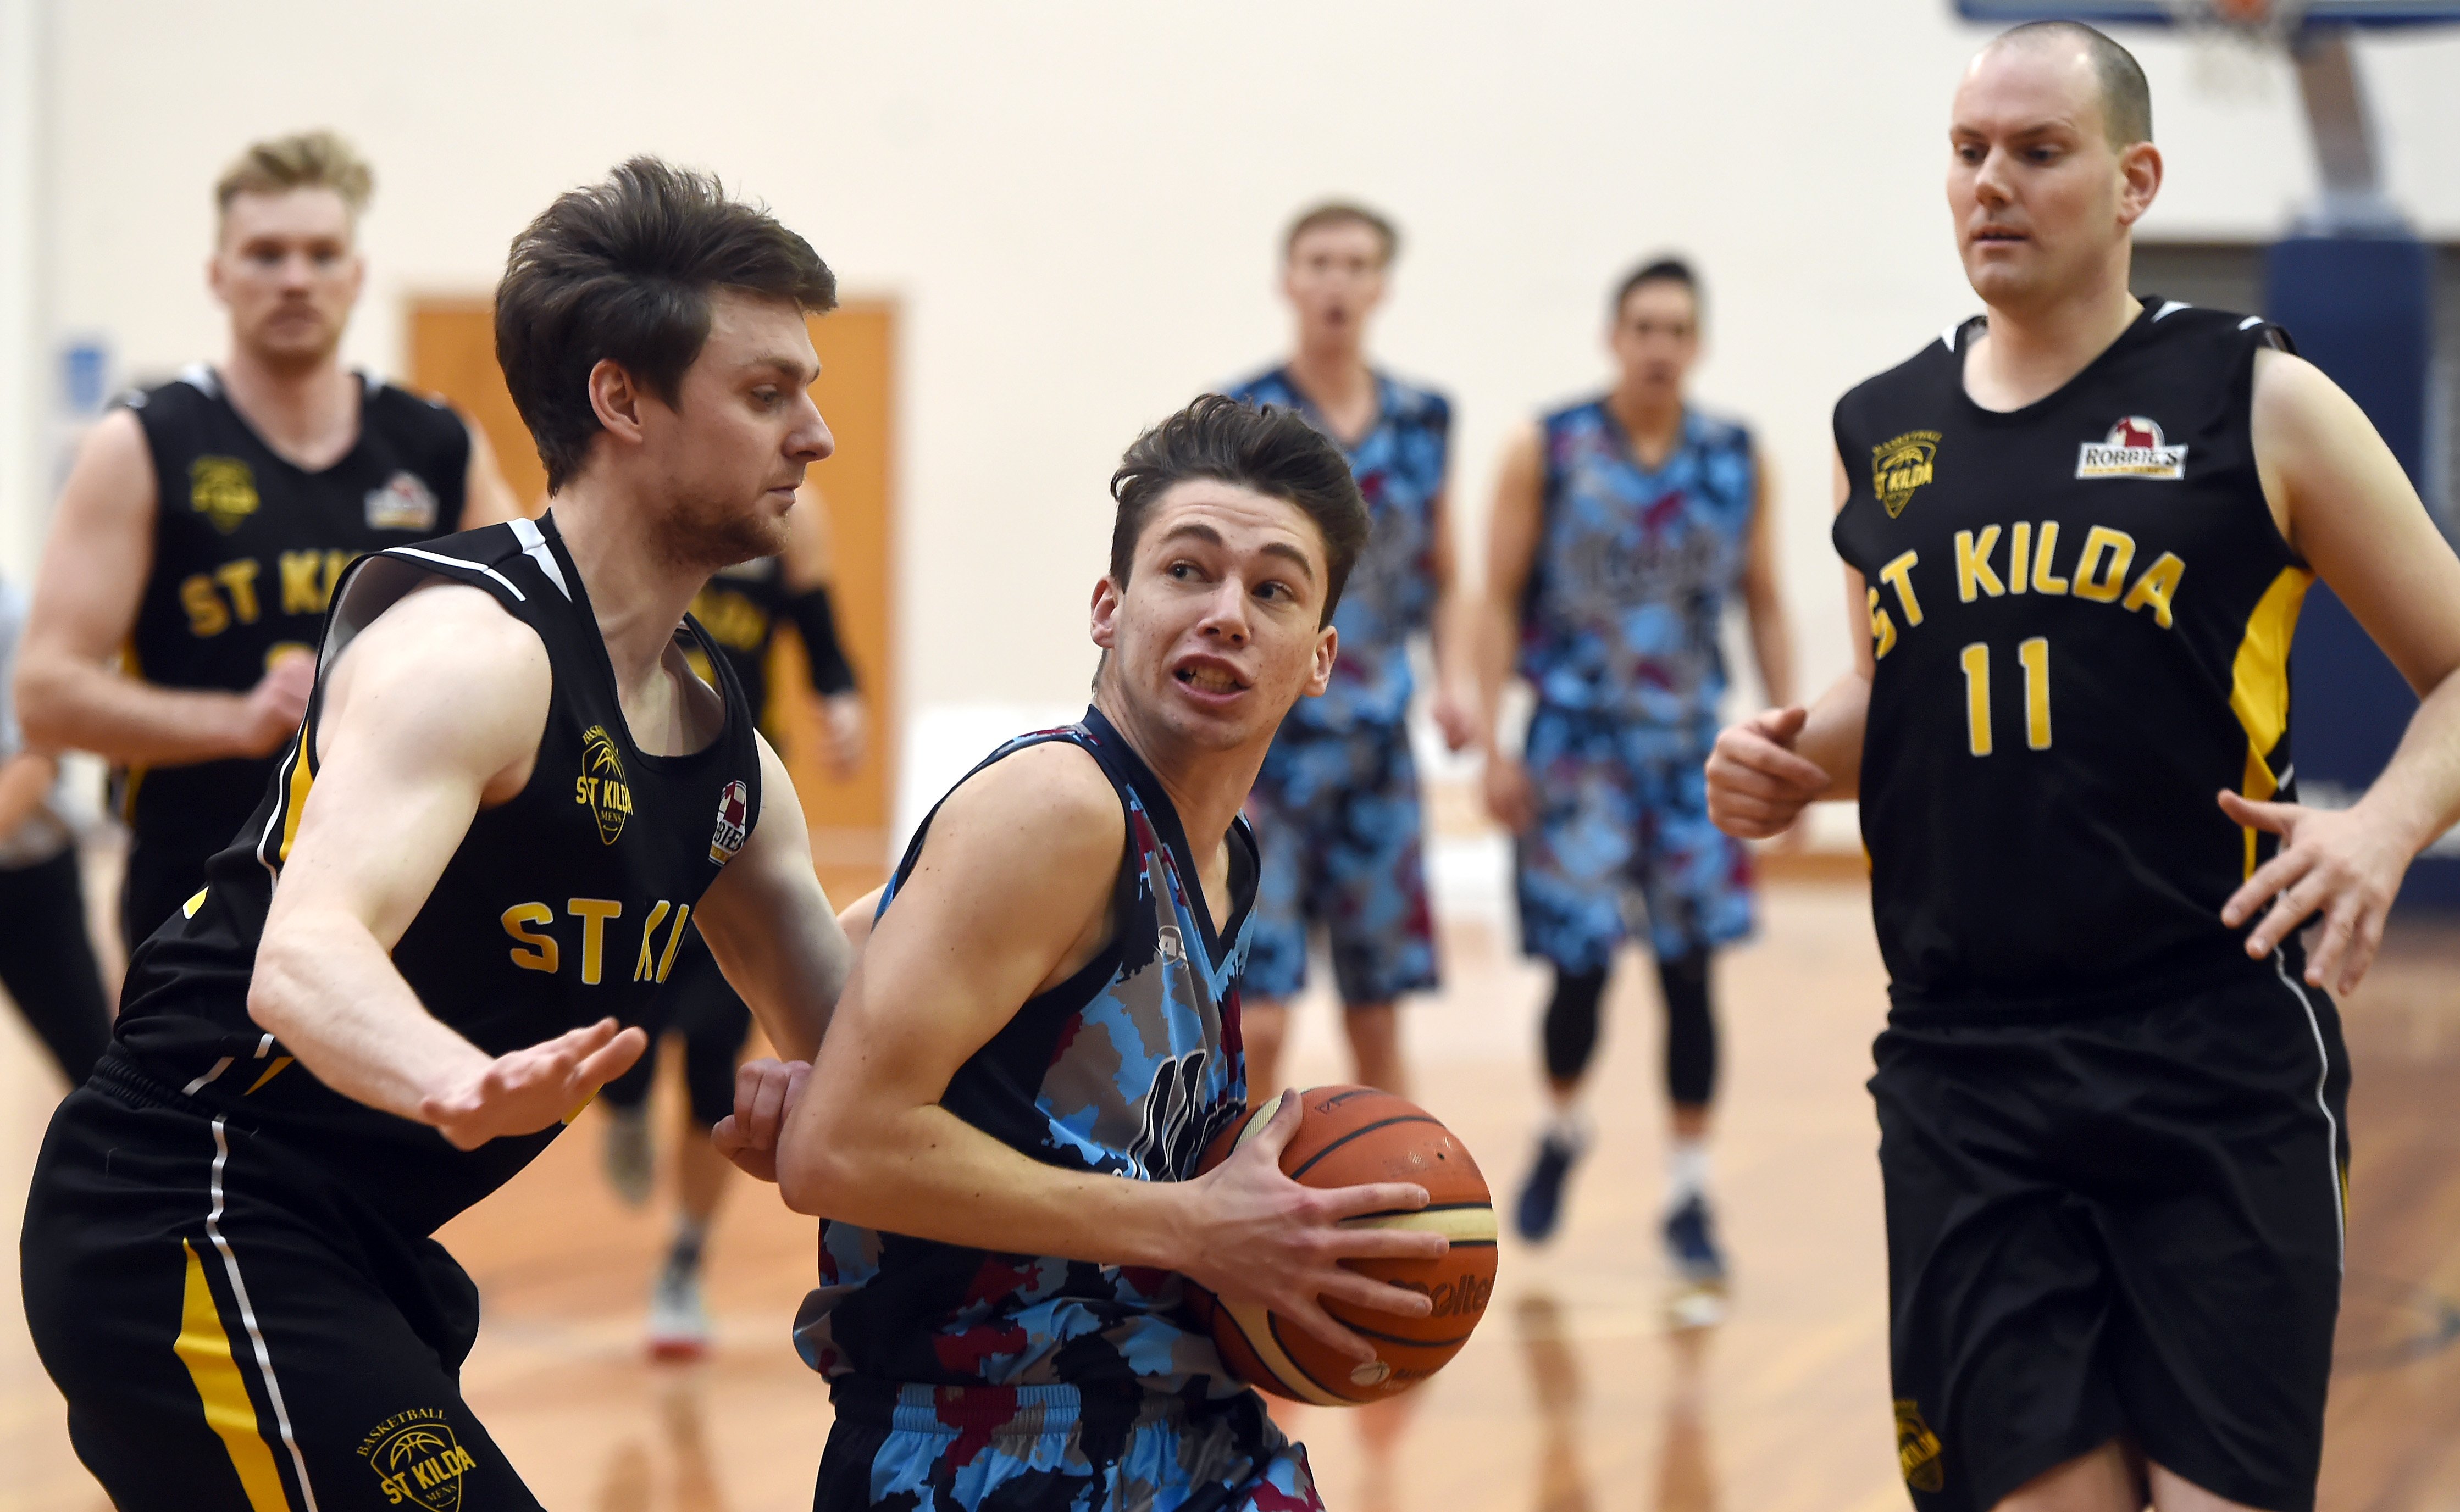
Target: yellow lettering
(2019, 551)
(540, 953)
(300, 589)
(2157, 587)
(593, 913)
(644, 969)
(580, 789)
(674, 939)
(1977, 698)
(2042, 581)
(206, 616)
(238, 580)
(2094, 582)
(1899, 575)
(1884, 630)
(2035, 655)
(1973, 574)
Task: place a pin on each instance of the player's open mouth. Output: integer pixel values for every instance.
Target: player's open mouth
(1210, 678)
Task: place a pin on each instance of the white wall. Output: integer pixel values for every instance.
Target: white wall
(1078, 204)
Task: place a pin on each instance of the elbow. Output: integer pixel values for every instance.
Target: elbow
(272, 987)
(815, 1177)
(42, 713)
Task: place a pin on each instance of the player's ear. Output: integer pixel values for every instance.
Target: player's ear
(2139, 174)
(617, 400)
(1106, 612)
(1328, 650)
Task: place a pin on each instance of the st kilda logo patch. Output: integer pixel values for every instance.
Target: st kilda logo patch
(733, 821)
(2135, 449)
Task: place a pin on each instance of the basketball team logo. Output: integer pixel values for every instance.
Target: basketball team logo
(417, 1461)
(223, 489)
(404, 503)
(1900, 467)
(1918, 1449)
(2135, 448)
(601, 787)
(733, 821)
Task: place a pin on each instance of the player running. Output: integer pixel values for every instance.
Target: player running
(1009, 1178)
(477, 861)
(1336, 805)
(2111, 1089)
(207, 521)
(741, 609)
(1622, 526)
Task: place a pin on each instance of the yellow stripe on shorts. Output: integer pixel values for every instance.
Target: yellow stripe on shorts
(205, 1349)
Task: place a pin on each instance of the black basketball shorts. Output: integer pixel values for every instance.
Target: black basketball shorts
(229, 1342)
(2128, 1223)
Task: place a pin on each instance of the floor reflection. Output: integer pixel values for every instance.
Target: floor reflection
(680, 1473)
(1686, 1470)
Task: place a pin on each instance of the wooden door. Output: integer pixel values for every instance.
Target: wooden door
(452, 354)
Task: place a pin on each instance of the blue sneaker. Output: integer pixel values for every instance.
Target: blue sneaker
(1691, 1245)
(1541, 1194)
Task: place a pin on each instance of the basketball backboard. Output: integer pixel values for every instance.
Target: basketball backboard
(2155, 13)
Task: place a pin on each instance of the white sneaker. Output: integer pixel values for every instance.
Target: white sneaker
(678, 1318)
(631, 1167)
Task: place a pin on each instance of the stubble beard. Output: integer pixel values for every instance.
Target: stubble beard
(702, 535)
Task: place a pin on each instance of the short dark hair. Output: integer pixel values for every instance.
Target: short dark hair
(1343, 212)
(620, 271)
(1669, 269)
(2126, 96)
(1270, 450)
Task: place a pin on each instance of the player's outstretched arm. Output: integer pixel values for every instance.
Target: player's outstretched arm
(70, 695)
(2347, 508)
(436, 709)
(1010, 896)
(770, 925)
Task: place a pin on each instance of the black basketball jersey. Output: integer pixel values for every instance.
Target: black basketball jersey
(247, 550)
(561, 907)
(2082, 612)
(739, 608)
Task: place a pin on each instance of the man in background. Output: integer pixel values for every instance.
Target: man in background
(1622, 526)
(1336, 805)
(206, 520)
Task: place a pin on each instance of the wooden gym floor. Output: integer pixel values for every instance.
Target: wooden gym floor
(1572, 1397)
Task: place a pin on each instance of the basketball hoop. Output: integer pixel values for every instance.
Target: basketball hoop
(2239, 44)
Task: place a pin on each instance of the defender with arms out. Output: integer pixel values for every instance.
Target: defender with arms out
(509, 800)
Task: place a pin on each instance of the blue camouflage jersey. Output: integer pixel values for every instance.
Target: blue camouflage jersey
(1399, 466)
(1633, 565)
(1128, 1069)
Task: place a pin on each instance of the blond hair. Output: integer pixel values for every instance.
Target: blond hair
(310, 160)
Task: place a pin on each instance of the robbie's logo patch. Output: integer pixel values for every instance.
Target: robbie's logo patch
(1900, 467)
(2133, 448)
(223, 489)
(417, 1461)
(1918, 1449)
(601, 786)
(403, 503)
(733, 821)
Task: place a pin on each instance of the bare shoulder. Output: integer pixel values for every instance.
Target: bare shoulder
(1051, 803)
(2289, 391)
(113, 470)
(448, 660)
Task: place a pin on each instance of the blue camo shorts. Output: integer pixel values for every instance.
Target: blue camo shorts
(1055, 1449)
(1622, 807)
(1336, 817)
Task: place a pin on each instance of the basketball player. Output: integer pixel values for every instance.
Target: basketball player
(1336, 805)
(2111, 1089)
(1009, 1178)
(1621, 525)
(437, 935)
(740, 608)
(207, 521)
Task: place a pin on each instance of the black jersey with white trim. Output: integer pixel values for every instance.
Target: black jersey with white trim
(2081, 612)
(562, 906)
(247, 549)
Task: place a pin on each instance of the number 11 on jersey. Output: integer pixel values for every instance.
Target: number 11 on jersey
(2034, 656)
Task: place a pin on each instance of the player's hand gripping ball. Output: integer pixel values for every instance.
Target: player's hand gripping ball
(1352, 1135)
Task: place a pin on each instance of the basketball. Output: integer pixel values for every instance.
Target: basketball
(1353, 1135)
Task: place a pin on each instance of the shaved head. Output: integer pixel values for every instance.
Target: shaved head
(2125, 99)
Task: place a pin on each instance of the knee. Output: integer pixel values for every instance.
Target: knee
(1571, 1029)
